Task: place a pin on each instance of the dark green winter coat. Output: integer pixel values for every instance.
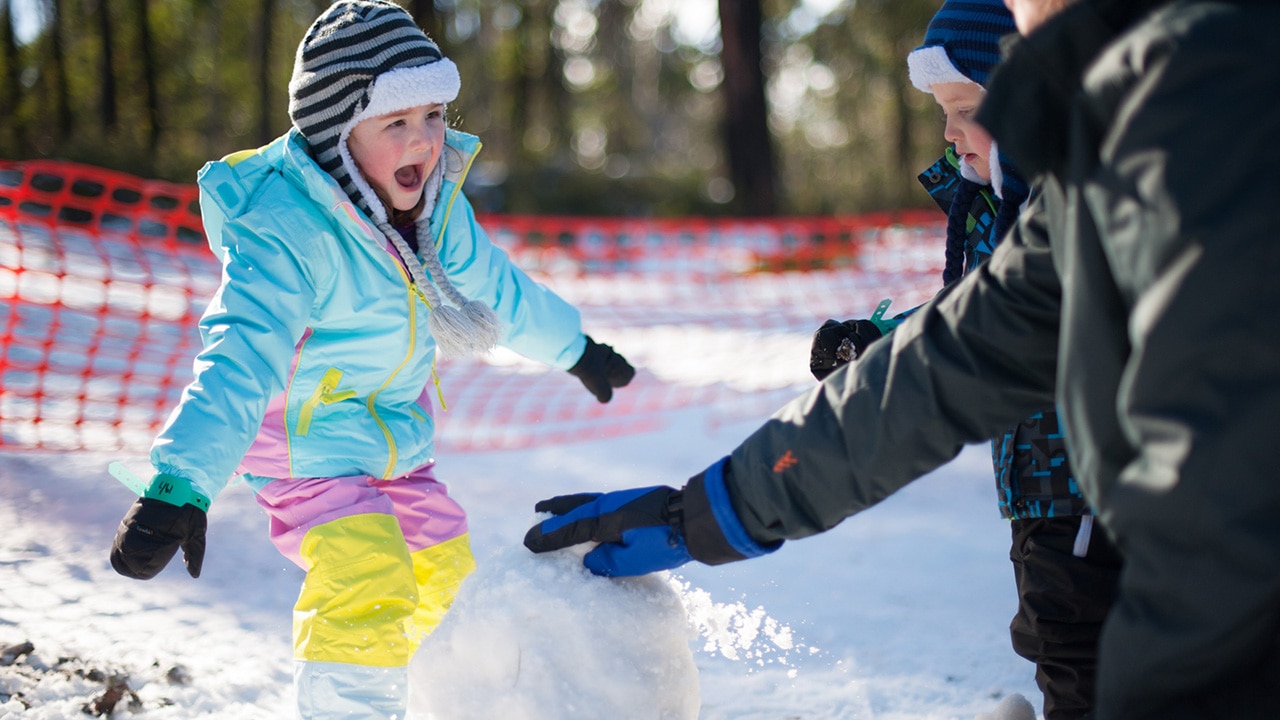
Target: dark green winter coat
(1141, 291)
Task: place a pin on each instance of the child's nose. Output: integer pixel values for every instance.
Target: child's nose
(950, 132)
(422, 137)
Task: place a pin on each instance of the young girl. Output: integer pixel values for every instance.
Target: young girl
(349, 254)
(1066, 574)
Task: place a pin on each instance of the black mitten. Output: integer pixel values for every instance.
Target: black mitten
(151, 533)
(839, 343)
(601, 370)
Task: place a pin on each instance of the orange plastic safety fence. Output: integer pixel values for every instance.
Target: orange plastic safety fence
(696, 247)
(104, 276)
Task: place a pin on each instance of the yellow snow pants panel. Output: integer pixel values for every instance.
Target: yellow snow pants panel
(358, 596)
(439, 571)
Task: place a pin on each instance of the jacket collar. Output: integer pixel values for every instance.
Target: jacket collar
(228, 185)
(1031, 94)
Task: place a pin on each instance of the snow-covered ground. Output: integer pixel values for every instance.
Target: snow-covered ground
(900, 613)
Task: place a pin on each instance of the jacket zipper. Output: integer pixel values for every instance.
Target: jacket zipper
(393, 453)
(323, 395)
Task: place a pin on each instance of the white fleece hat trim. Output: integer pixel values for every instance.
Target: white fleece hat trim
(403, 88)
(928, 66)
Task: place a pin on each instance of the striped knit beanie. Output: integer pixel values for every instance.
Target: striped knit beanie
(362, 59)
(962, 43)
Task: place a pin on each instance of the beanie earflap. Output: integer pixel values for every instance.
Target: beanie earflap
(470, 328)
(958, 231)
(1012, 191)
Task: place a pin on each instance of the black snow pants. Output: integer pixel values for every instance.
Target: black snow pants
(1066, 586)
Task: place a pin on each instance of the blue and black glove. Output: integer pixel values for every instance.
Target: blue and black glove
(840, 343)
(169, 516)
(649, 529)
(601, 369)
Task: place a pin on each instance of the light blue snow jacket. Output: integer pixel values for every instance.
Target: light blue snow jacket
(317, 360)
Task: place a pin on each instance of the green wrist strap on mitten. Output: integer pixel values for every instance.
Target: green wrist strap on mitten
(885, 326)
(171, 489)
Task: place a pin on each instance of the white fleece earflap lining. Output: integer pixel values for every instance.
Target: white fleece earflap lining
(997, 174)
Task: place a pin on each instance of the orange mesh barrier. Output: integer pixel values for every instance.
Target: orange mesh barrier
(104, 276)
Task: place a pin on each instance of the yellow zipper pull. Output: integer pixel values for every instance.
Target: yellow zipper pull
(323, 395)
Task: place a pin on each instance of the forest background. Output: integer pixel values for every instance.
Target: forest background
(638, 108)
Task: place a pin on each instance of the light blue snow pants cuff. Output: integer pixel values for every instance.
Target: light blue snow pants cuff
(333, 691)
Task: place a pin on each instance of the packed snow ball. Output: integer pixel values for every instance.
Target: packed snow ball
(538, 637)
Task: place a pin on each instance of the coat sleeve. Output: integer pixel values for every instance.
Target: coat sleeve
(980, 355)
(249, 332)
(536, 322)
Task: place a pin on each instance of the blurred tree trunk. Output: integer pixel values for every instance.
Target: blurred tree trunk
(905, 152)
(9, 97)
(533, 38)
(900, 24)
(628, 135)
(146, 53)
(208, 17)
(61, 93)
(541, 102)
(551, 86)
(425, 15)
(904, 26)
(107, 74)
(264, 72)
(748, 143)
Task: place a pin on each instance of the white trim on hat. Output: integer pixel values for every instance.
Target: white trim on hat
(928, 66)
(403, 88)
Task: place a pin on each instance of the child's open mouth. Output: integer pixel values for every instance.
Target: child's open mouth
(409, 177)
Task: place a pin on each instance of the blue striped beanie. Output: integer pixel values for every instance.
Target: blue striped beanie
(962, 43)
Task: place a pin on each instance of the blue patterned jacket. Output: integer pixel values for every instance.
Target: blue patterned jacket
(1033, 476)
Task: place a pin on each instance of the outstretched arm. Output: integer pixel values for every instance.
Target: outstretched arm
(978, 356)
(981, 354)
